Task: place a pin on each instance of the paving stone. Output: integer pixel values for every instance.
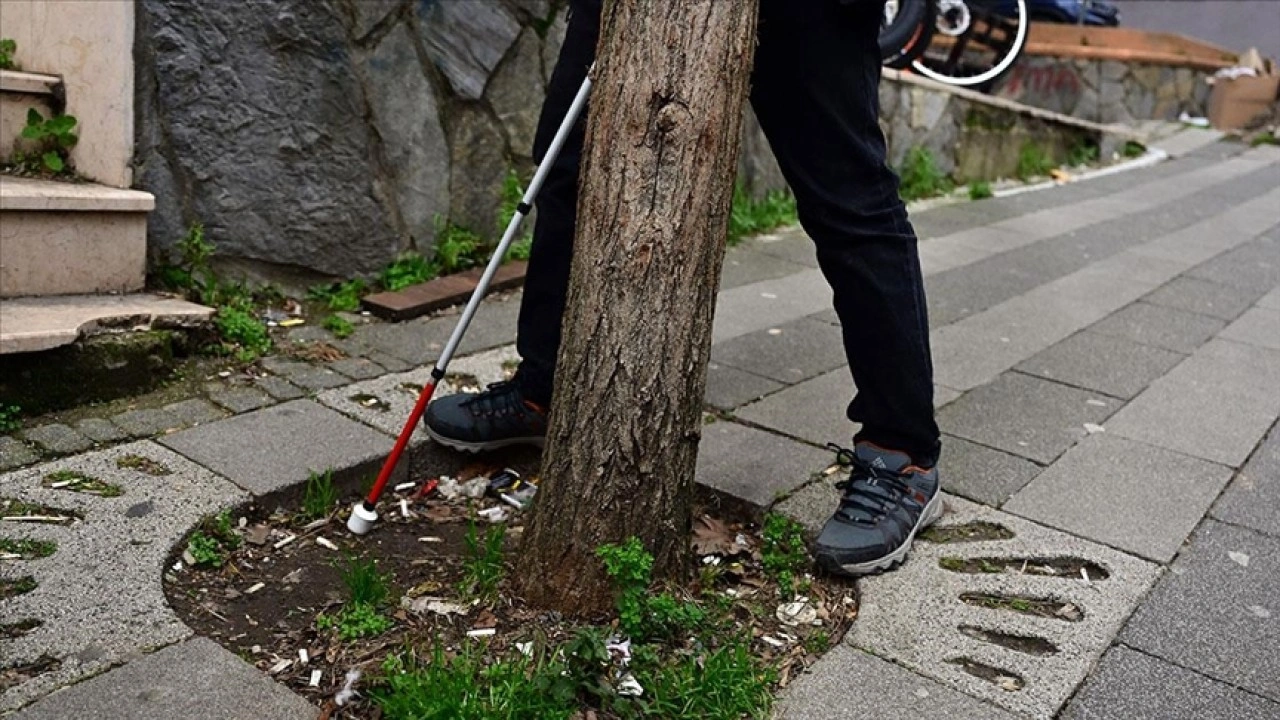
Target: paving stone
(1210, 405)
(1111, 365)
(356, 368)
(744, 265)
(813, 410)
(788, 353)
(1201, 296)
(754, 465)
(305, 375)
(144, 423)
(1271, 300)
(388, 362)
(769, 303)
(261, 451)
(1215, 613)
(944, 396)
(494, 326)
(1135, 686)
(1253, 267)
(729, 387)
(278, 388)
(849, 683)
(1025, 416)
(416, 342)
(1226, 249)
(196, 678)
(100, 431)
(58, 439)
(1254, 495)
(790, 244)
(980, 473)
(14, 453)
(1127, 494)
(913, 615)
(117, 552)
(1259, 326)
(1160, 327)
(941, 254)
(240, 399)
(194, 412)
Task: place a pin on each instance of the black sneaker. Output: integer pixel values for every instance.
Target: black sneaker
(495, 418)
(887, 500)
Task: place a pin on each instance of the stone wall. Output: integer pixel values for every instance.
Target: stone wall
(1105, 91)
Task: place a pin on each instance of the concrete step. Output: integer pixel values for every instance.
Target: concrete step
(19, 92)
(59, 238)
(42, 323)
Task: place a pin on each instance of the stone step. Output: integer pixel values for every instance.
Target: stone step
(61, 238)
(19, 92)
(42, 323)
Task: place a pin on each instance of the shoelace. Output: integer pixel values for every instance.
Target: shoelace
(500, 398)
(869, 492)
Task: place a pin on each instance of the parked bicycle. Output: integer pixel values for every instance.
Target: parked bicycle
(968, 43)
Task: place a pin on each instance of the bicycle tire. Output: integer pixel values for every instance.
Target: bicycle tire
(984, 79)
(907, 37)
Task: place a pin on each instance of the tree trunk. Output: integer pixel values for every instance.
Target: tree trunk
(656, 185)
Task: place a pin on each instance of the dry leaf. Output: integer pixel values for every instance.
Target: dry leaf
(713, 537)
(485, 620)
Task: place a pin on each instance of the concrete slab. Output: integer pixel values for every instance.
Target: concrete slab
(1215, 613)
(1210, 405)
(58, 439)
(278, 388)
(100, 431)
(769, 303)
(745, 264)
(790, 244)
(1111, 365)
(41, 323)
(981, 473)
(1025, 416)
(1127, 494)
(15, 453)
(814, 410)
(791, 352)
(1253, 496)
(117, 551)
(194, 412)
(261, 451)
(754, 465)
(729, 387)
(196, 678)
(1202, 296)
(1271, 300)
(913, 616)
(356, 368)
(849, 683)
(1159, 326)
(1135, 686)
(239, 399)
(305, 375)
(1259, 326)
(1253, 266)
(146, 422)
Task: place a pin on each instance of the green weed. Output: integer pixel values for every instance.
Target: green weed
(1082, 154)
(1264, 138)
(27, 549)
(512, 196)
(642, 614)
(143, 465)
(7, 49)
(919, 176)
(54, 136)
(482, 568)
(339, 297)
(81, 483)
(1133, 149)
(457, 248)
(355, 621)
(409, 268)
(520, 249)
(320, 495)
(215, 537)
(13, 587)
(243, 335)
(719, 684)
(10, 418)
(206, 550)
(783, 553)
(749, 216)
(339, 326)
(1034, 161)
(365, 585)
(980, 190)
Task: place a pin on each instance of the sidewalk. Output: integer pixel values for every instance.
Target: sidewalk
(1107, 360)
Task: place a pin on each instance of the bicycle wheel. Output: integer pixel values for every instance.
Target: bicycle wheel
(906, 31)
(976, 41)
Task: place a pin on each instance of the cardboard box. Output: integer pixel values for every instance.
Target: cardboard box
(1234, 102)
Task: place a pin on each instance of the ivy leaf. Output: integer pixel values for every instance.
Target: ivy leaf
(34, 117)
(53, 161)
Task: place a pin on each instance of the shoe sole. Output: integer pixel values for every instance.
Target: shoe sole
(478, 447)
(932, 511)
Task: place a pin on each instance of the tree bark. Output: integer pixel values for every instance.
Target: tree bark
(656, 185)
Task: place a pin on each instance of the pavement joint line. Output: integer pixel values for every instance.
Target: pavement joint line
(1194, 671)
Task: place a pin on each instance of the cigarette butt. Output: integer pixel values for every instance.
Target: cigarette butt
(326, 543)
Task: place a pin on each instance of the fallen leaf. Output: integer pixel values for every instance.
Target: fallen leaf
(486, 619)
(713, 537)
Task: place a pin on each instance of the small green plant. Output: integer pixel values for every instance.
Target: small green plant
(1033, 161)
(980, 190)
(320, 495)
(339, 326)
(7, 49)
(409, 268)
(642, 614)
(456, 248)
(142, 464)
(749, 216)
(1082, 153)
(355, 621)
(512, 196)
(16, 586)
(339, 297)
(783, 552)
(54, 137)
(27, 549)
(920, 177)
(817, 642)
(1132, 149)
(9, 418)
(520, 249)
(723, 683)
(365, 584)
(215, 537)
(482, 568)
(1264, 138)
(206, 550)
(243, 335)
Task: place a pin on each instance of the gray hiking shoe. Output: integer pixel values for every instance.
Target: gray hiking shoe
(495, 418)
(886, 502)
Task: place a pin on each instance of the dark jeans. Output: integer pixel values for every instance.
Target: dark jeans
(815, 92)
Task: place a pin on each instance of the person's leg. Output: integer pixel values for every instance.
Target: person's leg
(816, 94)
(516, 412)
